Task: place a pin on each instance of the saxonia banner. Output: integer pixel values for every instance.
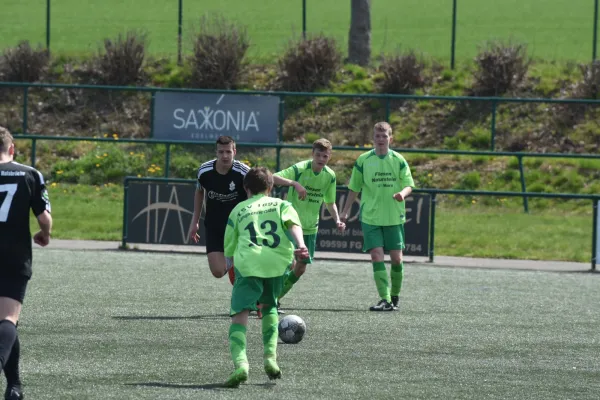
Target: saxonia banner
(161, 213)
(200, 116)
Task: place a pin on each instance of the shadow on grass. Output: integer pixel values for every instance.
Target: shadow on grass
(208, 386)
(291, 310)
(168, 317)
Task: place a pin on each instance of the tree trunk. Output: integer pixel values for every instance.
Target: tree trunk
(359, 40)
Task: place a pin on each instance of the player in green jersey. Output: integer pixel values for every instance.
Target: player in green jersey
(384, 178)
(256, 239)
(311, 183)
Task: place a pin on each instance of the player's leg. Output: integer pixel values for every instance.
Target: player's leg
(394, 243)
(373, 242)
(299, 268)
(215, 252)
(272, 288)
(12, 293)
(244, 296)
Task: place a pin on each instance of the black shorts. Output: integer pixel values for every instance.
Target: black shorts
(13, 287)
(215, 239)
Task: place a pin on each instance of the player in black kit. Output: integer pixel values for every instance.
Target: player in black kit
(220, 187)
(21, 188)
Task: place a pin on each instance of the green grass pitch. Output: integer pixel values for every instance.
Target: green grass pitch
(554, 29)
(101, 325)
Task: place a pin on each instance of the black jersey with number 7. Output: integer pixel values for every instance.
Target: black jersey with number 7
(22, 188)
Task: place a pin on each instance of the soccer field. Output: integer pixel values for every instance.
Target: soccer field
(554, 29)
(103, 325)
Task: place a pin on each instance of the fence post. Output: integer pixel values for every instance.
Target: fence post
(125, 198)
(167, 159)
(493, 126)
(523, 186)
(25, 108)
(453, 44)
(432, 227)
(48, 26)
(152, 105)
(595, 34)
(179, 33)
(304, 19)
(595, 235)
(281, 120)
(388, 110)
(33, 151)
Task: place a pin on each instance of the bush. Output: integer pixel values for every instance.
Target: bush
(500, 68)
(588, 87)
(308, 64)
(23, 63)
(121, 61)
(402, 73)
(219, 51)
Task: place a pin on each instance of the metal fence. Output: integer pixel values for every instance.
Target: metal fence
(385, 100)
(454, 10)
(434, 193)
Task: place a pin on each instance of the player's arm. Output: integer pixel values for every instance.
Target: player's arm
(354, 186)
(291, 222)
(281, 181)
(231, 235)
(195, 223)
(407, 182)
(286, 178)
(40, 205)
(329, 199)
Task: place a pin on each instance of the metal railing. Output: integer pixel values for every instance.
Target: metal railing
(434, 195)
(386, 99)
(279, 146)
(305, 23)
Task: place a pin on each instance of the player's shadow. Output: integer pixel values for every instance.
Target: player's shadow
(335, 310)
(169, 317)
(207, 386)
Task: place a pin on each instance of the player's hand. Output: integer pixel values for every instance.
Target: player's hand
(41, 239)
(344, 218)
(301, 190)
(398, 196)
(193, 232)
(301, 253)
(341, 226)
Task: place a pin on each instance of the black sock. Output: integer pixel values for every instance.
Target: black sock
(8, 335)
(11, 368)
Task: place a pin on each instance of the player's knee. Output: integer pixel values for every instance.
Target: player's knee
(377, 254)
(300, 269)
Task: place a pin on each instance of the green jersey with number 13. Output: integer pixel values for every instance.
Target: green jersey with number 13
(256, 236)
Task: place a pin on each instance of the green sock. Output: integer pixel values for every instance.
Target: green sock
(290, 280)
(396, 275)
(381, 280)
(269, 331)
(237, 345)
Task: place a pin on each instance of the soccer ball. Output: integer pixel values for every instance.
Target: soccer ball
(291, 329)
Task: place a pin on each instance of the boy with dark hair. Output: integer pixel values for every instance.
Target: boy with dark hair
(256, 239)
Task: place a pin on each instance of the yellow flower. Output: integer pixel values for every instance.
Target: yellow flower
(473, 201)
(105, 155)
(115, 135)
(131, 153)
(105, 135)
(157, 168)
(97, 189)
(65, 191)
(139, 176)
(151, 170)
(53, 184)
(97, 165)
(59, 172)
(429, 175)
(97, 156)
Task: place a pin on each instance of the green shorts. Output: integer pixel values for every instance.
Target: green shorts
(248, 291)
(388, 237)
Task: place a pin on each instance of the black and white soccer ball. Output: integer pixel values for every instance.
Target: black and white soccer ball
(291, 329)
